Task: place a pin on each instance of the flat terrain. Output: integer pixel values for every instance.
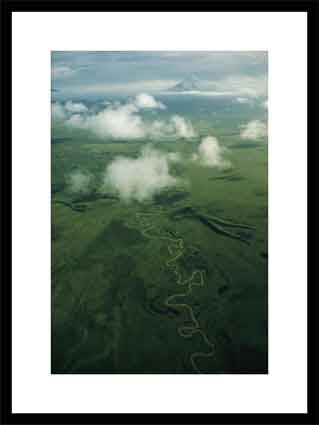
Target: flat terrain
(173, 285)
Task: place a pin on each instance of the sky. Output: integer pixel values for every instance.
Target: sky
(77, 73)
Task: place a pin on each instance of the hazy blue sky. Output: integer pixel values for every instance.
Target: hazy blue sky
(98, 73)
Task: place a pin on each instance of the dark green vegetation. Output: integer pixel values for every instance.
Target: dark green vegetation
(120, 272)
(60, 139)
(245, 145)
(170, 197)
(228, 178)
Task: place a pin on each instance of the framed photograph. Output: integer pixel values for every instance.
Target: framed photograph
(155, 223)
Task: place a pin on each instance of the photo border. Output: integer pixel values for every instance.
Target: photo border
(8, 7)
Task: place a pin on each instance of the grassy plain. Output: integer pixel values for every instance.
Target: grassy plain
(111, 273)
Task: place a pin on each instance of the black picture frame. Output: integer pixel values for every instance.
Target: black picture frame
(7, 8)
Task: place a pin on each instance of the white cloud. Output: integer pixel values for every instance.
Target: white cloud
(124, 121)
(210, 153)
(117, 122)
(76, 120)
(175, 127)
(140, 178)
(79, 182)
(58, 112)
(253, 130)
(75, 107)
(62, 112)
(146, 101)
(183, 128)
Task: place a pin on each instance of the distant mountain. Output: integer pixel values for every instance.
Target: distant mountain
(190, 83)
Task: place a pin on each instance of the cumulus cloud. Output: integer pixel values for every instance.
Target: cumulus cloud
(139, 178)
(76, 120)
(79, 182)
(117, 122)
(253, 130)
(146, 101)
(183, 128)
(210, 153)
(73, 107)
(63, 112)
(124, 121)
(58, 112)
